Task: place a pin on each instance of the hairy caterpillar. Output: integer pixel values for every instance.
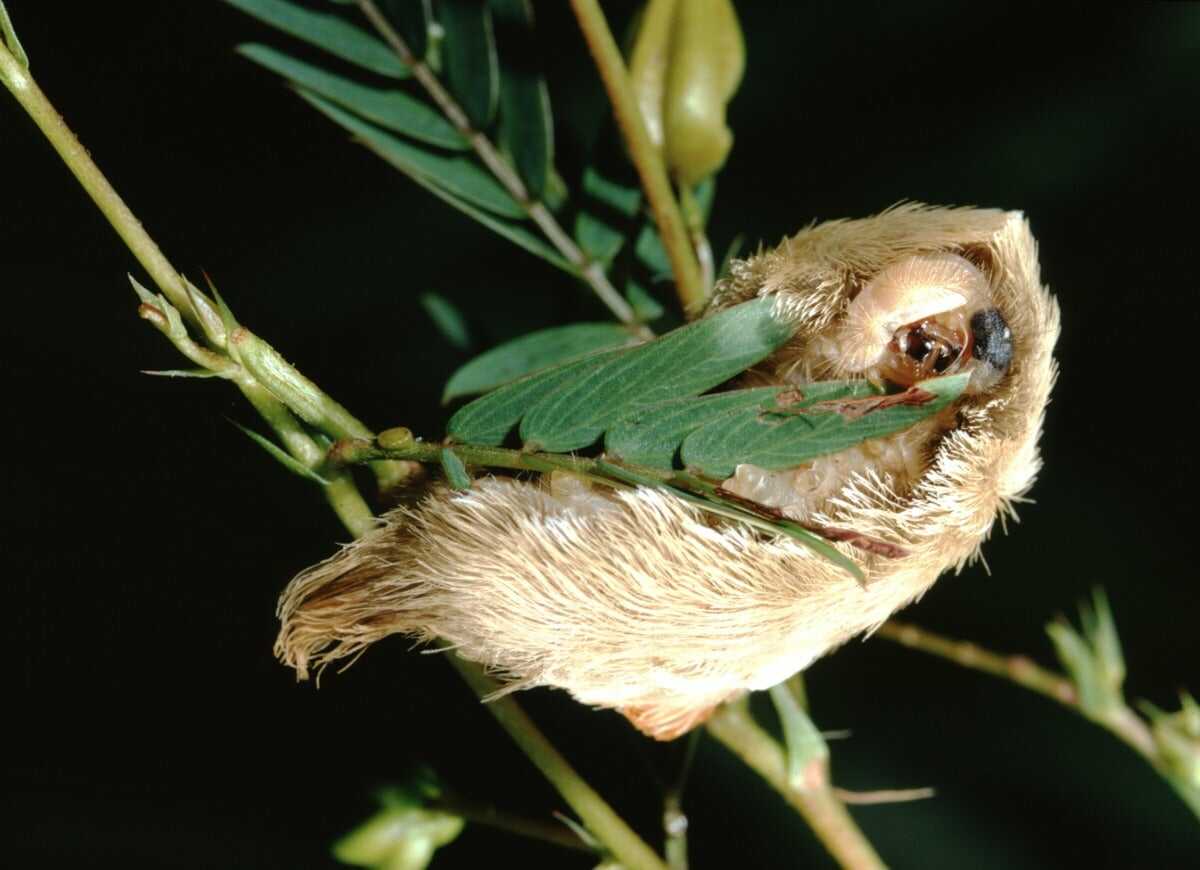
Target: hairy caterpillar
(635, 600)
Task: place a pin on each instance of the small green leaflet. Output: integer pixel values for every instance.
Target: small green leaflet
(447, 318)
(651, 435)
(456, 472)
(526, 123)
(459, 176)
(469, 57)
(532, 353)
(411, 20)
(487, 421)
(393, 109)
(511, 230)
(328, 31)
(649, 246)
(804, 431)
(607, 213)
(570, 406)
(645, 307)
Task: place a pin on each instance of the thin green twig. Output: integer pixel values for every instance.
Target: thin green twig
(192, 305)
(536, 829)
(647, 159)
(733, 726)
(626, 846)
(1116, 718)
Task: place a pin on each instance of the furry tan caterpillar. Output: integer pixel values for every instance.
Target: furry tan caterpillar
(637, 601)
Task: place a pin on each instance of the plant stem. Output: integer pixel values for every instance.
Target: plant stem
(341, 492)
(693, 217)
(1122, 722)
(173, 286)
(22, 86)
(590, 271)
(817, 803)
(1017, 669)
(626, 846)
(647, 159)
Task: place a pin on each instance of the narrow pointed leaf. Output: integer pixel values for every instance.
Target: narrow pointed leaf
(706, 193)
(328, 31)
(531, 353)
(143, 294)
(9, 34)
(181, 373)
(645, 307)
(469, 58)
(649, 247)
(785, 440)
(687, 361)
(393, 109)
(735, 512)
(456, 472)
(516, 233)
(459, 176)
(651, 435)
(606, 216)
(731, 254)
(487, 421)
(448, 320)
(411, 20)
(282, 457)
(526, 123)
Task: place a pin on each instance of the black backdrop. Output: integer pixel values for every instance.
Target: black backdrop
(145, 540)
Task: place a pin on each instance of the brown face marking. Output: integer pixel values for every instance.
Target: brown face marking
(924, 350)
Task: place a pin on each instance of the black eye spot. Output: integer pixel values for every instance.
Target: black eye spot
(993, 339)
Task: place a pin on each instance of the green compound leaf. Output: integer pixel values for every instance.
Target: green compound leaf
(652, 435)
(392, 109)
(526, 122)
(568, 407)
(469, 58)
(805, 430)
(459, 176)
(685, 362)
(328, 31)
(532, 353)
(488, 421)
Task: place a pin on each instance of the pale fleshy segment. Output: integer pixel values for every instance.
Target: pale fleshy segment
(635, 600)
(909, 290)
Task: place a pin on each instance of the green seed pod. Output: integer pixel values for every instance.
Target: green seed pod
(648, 63)
(707, 59)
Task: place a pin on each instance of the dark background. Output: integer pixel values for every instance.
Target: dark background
(145, 540)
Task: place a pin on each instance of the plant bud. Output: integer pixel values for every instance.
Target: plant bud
(686, 64)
